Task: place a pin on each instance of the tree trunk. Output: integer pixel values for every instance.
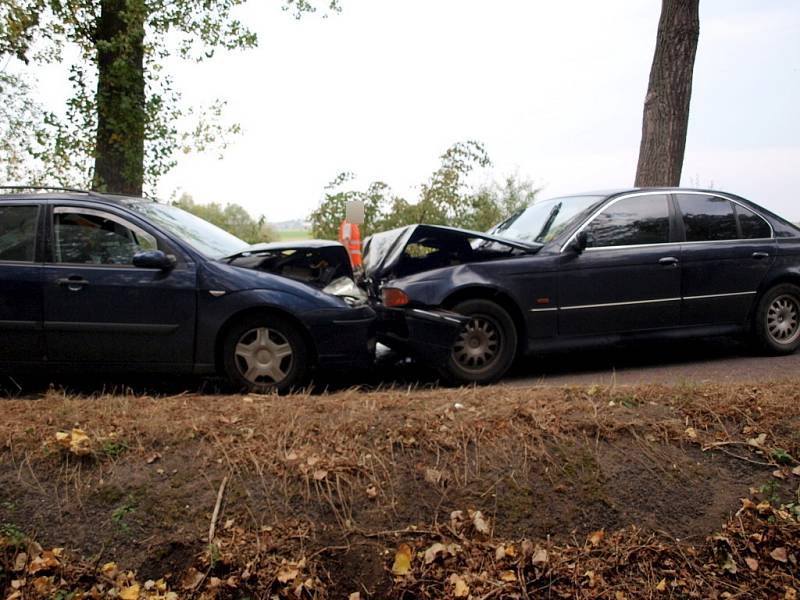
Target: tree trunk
(666, 106)
(119, 150)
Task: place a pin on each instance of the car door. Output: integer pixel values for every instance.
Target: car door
(21, 314)
(727, 251)
(99, 308)
(628, 277)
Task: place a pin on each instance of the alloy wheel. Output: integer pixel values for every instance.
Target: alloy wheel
(263, 355)
(783, 319)
(478, 344)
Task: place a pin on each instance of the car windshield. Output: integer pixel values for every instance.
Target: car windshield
(204, 237)
(544, 220)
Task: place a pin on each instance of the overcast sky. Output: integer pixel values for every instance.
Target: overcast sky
(553, 89)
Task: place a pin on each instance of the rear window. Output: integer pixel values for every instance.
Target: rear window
(753, 227)
(18, 233)
(707, 218)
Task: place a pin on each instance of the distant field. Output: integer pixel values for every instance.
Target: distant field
(288, 235)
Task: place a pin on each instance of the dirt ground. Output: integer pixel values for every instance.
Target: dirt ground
(592, 492)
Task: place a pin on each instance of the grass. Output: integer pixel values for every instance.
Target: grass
(586, 490)
(291, 235)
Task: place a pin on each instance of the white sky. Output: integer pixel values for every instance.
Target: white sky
(553, 89)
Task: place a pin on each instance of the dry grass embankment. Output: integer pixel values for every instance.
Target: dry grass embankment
(688, 492)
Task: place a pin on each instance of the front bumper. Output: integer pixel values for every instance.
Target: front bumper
(426, 334)
(343, 338)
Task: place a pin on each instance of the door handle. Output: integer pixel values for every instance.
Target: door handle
(74, 283)
(668, 261)
(760, 255)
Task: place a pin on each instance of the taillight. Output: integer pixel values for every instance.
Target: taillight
(394, 297)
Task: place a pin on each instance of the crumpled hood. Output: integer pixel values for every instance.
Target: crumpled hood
(383, 252)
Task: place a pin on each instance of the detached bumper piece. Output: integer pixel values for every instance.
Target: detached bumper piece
(425, 334)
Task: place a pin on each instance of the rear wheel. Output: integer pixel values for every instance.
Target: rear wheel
(265, 354)
(777, 319)
(485, 347)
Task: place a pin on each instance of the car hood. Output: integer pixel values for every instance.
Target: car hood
(314, 262)
(385, 253)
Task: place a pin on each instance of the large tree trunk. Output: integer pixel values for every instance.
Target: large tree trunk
(666, 107)
(119, 151)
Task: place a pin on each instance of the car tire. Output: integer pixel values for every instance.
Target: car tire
(776, 326)
(265, 354)
(485, 347)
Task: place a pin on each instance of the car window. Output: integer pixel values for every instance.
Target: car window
(631, 221)
(707, 218)
(18, 233)
(753, 227)
(85, 236)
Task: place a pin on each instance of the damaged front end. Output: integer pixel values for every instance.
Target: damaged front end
(425, 332)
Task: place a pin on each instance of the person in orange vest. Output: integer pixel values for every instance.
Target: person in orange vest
(350, 238)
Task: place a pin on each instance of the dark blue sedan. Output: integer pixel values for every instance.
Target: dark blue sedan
(99, 282)
(593, 269)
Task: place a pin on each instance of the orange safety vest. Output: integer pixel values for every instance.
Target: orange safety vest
(350, 238)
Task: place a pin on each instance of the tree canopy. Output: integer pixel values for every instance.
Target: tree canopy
(120, 126)
(446, 198)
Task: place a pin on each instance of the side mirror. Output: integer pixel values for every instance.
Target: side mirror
(153, 259)
(580, 242)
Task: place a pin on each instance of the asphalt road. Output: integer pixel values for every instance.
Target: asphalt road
(717, 360)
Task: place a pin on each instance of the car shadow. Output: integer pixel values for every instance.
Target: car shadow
(393, 371)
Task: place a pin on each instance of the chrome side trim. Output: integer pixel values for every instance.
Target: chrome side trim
(672, 192)
(655, 301)
(544, 309)
(629, 303)
(719, 295)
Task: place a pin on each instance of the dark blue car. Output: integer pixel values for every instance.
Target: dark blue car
(98, 282)
(593, 269)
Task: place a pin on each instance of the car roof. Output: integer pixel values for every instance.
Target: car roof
(46, 193)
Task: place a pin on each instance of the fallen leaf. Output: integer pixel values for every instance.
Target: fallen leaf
(79, 443)
(791, 593)
(691, 433)
(508, 576)
(619, 596)
(320, 474)
(287, 573)
(662, 585)
(130, 593)
(20, 561)
(110, 570)
(460, 588)
(354, 596)
(500, 552)
(752, 563)
(779, 474)
(779, 554)
(540, 557)
(481, 526)
(796, 471)
(433, 551)
(402, 560)
(153, 458)
(757, 441)
(596, 537)
(191, 579)
(372, 492)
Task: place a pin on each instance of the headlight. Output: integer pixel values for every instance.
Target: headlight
(394, 297)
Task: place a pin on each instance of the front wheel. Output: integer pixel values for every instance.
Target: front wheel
(485, 347)
(777, 319)
(265, 354)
